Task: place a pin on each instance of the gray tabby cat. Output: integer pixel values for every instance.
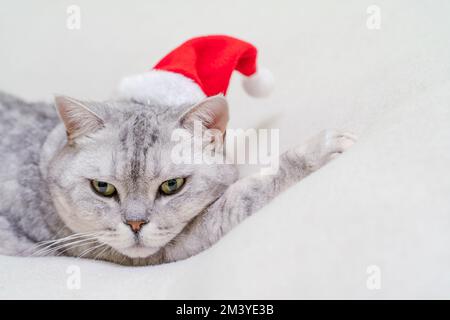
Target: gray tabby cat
(100, 183)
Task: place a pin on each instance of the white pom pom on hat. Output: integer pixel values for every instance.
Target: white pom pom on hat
(259, 84)
(201, 67)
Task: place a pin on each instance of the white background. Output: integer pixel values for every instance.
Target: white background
(386, 202)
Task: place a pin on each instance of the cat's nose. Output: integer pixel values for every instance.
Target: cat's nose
(135, 225)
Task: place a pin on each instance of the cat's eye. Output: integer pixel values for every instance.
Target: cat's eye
(171, 186)
(103, 188)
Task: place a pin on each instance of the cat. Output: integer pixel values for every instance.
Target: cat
(96, 180)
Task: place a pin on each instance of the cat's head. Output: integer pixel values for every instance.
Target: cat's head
(116, 176)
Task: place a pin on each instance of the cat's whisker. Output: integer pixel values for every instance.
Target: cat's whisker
(102, 252)
(52, 248)
(55, 245)
(71, 245)
(89, 243)
(71, 237)
(54, 242)
(85, 252)
(123, 259)
(71, 242)
(57, 253)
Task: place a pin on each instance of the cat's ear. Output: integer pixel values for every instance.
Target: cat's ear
(77, 117)
(211, 112)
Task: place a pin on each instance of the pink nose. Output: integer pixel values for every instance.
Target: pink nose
(135, 225)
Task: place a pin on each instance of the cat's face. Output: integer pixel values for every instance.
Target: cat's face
(117, 179)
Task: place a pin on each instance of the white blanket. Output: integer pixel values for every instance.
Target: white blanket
(372, 224)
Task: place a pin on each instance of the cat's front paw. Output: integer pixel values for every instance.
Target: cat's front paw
(326, 146)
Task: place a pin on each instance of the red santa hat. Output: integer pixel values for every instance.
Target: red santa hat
(199, 68)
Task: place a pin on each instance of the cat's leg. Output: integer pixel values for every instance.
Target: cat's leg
(249, 194)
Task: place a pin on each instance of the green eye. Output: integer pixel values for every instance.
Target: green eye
(103, 188)
(171, 186)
